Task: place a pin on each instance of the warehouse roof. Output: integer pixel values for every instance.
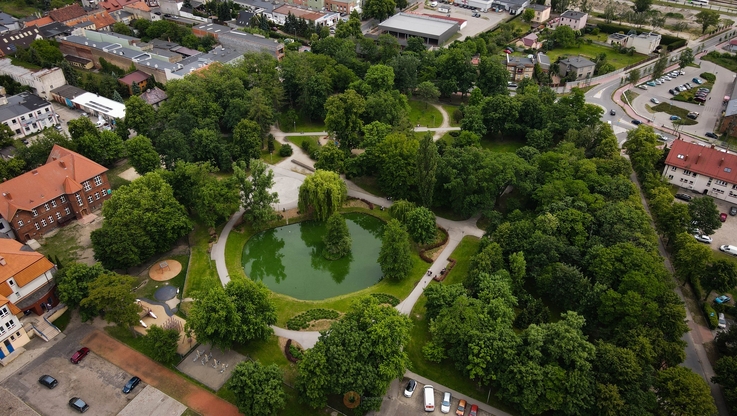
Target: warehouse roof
(403, 22)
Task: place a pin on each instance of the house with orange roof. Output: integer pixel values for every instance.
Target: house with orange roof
(46, 20)
(67, 13)
(26, 279)
(69, 186)
(101, 21)
(12, 334)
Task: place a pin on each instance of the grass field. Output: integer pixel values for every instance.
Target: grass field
(424, 114)
(462, 254)
(202, 273)
(112, 175)
(668, 108)
(449, 108)
(591, 51)
(62, 245)
(501, 146)
(369, 184)
(274, 157)
(631, 95)
(297, 140)
(727, 60)
(302, 124)
(62, 321)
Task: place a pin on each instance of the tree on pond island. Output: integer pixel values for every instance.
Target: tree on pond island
(322, 192)
(363, 352)
(395, 256)
(337, 238)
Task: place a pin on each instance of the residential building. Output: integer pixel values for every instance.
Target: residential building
(99, 21)
(69, 186)
(520, 67)
(8, 23)
(12, 334)
(67, 13)
(279, 15)
(26, 278)
(155, 96)
(529, 41)
(79, 62)
(702, 169)
(41, 81)
(141, 10)
(138, 78)
(11, 42)
(574, 20)
(542, 13)
(582, 67)
(729, 120)
(55, 30)
(40, 22)
(644, 43)
(26, 114)
(431, 30)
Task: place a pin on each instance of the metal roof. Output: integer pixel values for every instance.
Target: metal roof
(408, 23)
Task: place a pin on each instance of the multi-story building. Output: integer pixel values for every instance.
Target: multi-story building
(644, 43)
(69, 186)
(41, 81)
(11, 42)
(244, 42)
(582, 67)
(26, 278)
(8, 23)
(12, 333)
(26, 114)
(542, 13)
(520, 67)
(702, 169)
(67, 13)
(574, 20)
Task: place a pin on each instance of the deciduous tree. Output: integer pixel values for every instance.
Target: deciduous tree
(111, 295)
(343, 118)
(257, 199)
(258, 388)
(247, 142)
(707, 18)
(162, 344)
(322, 192)
(421, 225)
(142, 155)
(337, 238)
(139, 115)
(395, 256)
(681, 391)
(379, 9)
(705, 214)
(426, 166)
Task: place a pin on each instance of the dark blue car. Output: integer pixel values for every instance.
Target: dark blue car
(131, 384)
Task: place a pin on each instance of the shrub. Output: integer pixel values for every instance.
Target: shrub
(708, 76)
(307, 146)
(296, 352)
(303, 320)
(457, 115)
(595, 31)
(711, 315)
(285, 150)
(386, 298)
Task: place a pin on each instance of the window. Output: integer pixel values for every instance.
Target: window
(11, 282)
(681, 157)
(79, 199)
(46, 206)
(97, 195)
(670, 176)
(10, 324)
(20, 223)
(98, 180)
(721, 183)
(58, 215)
(686, 172)
(63, 198)
(34, 212)
(53, 203)
(51, 219)
(4, 311)
(673, 168)
(38, 227)
(89, 198)
(22, 118)
(87, 185)
(43, 223)
(67, 211)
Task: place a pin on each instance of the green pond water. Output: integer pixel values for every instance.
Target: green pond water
(289, 259)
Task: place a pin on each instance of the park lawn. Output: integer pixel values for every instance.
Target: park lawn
(287, 306)
(450, 109)
(503, 146)
(444, 372)
(112, 175)
(631, 95)
(149, 289)
(729, 63)
(274, 157)
(297, 140)
(369, 184)
(202, 273)
(675, 111)
(424, 114)
(303, 124)
(591, 51)
(462, 254)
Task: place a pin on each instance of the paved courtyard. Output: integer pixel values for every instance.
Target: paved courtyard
(152, 402)
(211, 367)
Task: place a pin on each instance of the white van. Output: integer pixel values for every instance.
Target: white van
(722, 325)
(729, 249)
(429, 398)
(443, 9)
(433, 4)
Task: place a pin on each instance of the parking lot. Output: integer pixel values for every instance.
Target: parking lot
(396, 404)
(709, 111)
(727, 234)
(474, 25)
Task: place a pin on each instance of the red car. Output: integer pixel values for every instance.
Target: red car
(77, 357)
(723, 217)
(474, 410)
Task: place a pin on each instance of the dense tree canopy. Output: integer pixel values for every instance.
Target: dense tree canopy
(323, 193)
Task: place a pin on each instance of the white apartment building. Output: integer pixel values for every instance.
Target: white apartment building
(702, 169)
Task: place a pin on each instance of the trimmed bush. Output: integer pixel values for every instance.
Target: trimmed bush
(386, 298)
(303, 320)
(708, 76)
(285, 150)
(711, 315)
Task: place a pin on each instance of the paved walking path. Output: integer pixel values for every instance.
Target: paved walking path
(151, 372)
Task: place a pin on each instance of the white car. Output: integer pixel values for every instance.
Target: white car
(703, 238)
(658, 82)
(655, 101)
(682, 72)
(410, 390)
(445, 404)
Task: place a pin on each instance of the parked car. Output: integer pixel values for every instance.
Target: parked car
(733, 211)
(511, 85)
(476, 14)
(445, 404)
(651, 83)
(636, 122)
(675, 118)
(693, 115)
(78, 404)
(697, 81)
(723, 217)
(701, 99)
(682, 72)
(77, 357)
(410, 389)
(729, 249)
(711, 134)
(612, 112)
(642, 86)
(474, 410)
(131, 384)
(667, 78)
(684, 197)
(48, 381)
(722, 322)
(722, 299)
(654, 100)
(702, 238)
(658, 82)
(702, 89)
(662, 138)
(673, 92)
(461, 408)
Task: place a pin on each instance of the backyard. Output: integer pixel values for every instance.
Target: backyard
(591, 51)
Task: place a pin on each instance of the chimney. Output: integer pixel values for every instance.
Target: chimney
(53, 157)
(698, 158)
(35, 172)
(62, 164)
(7, 196)
(685, 158)
(2, 261)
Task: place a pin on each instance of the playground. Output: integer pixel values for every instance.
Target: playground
(210, 366)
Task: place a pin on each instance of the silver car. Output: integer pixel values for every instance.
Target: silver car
(702, 238)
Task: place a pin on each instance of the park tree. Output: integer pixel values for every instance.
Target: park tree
(337, 238)
(633, 76)
(707, 18)
(400, 210)
(686, 58)
(323, 192)
(257, 199)
(680, 391)
(379, 77)
(214, 317)
(139, 115)
(110, 294)
(247, 142)
(330, 158)
(427, 91)
(426, 165)
(659, 67)
(72, 284)
(395, 256)
(162, 344)
(256, 311)
(421, 226)
(343, 117)
(258, 388)
(379, 9)
(720, 275)
(528, 15)
(493, 76)
(141, 219)
(397, 158)
(363, 352)
(705, 214)
(142, 155)
(103, 147)
(642, 6)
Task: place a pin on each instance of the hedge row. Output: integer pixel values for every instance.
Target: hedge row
(711, 315)
(303, 320)
(386, 298)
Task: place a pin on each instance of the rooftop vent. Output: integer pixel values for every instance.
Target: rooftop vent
(7, 196)
(35, 172)
(2, 261)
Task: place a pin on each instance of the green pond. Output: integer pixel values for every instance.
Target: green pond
(289, 259)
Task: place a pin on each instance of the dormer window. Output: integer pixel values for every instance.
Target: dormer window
(11, 282)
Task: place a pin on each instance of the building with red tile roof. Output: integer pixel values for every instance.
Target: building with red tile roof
(69, 186)
(67, 13)
(139, 78)
(102, 20)
(46, 20)
(703, 169)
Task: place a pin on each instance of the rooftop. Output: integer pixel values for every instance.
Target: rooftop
(68, 91)
(70, 12)
(21, 262)
(309, 15)
(538, 7)
(708, 161)
(154, 96)
(21, 104)
(577, 62)
(46, 20)
(21, 39)
(102, 105)
(571, 14)
(55, 29)
(403, 22)
(134, 77)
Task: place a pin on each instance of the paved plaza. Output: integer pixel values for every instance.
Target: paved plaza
(211, 366)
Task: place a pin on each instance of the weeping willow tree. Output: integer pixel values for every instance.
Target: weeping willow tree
(322, 192)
